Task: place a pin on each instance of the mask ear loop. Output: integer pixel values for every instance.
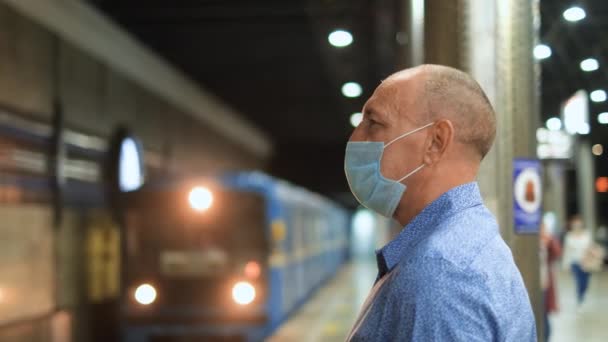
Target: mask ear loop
(411, 173)
(408, 133)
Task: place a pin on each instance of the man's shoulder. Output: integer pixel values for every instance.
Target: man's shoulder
(465, 248)
(463, 237)
(430, 276)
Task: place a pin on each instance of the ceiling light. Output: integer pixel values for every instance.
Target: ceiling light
(598, 95)
(554, 124)
(601, 184)
(576, 112)
(589, 64)
(603, 118)
(351, 89)
(542, 135)
(355, 119)
(340, 38)
(542, 51)
(584, 129)
(597, 149)
(574, 13)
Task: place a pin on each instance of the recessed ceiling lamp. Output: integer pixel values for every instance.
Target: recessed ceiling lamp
(340, 38)
(554, 124)
(589, 64)
(355, 119)
(603, 118)
(597, 149)
(351, 89)
(542, 51)
(574, 14)
(598, 95)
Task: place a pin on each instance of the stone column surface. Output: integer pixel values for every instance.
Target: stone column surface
(493, 41)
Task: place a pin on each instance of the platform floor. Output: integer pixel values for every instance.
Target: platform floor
(330, 314)
(590, 324)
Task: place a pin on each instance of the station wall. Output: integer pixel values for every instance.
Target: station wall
(36, 69)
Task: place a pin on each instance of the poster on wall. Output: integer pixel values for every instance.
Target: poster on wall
(527, 195)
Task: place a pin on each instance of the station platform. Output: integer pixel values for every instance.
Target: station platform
(590, 323)
(331, 312)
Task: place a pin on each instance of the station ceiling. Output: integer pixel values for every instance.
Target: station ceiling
(571, 43)
(271, 60)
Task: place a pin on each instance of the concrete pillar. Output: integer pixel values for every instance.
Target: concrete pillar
(493, 41)
(554, 193)
(585, 180)
(416, 29)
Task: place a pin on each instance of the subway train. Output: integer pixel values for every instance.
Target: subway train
(227, 257)
(109, 260)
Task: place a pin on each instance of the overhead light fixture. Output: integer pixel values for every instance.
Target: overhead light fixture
(584, 129)
(554, 124)
(130, 165)
(574, 14)
(340, 38)
(576, 112)
(598, 95)
(589, 64)
(603, 118)
(351, 89)
(597, 149)
(601, 184)
(542, 51)
(355, 119)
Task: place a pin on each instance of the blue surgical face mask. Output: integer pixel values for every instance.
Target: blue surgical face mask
(370, 188)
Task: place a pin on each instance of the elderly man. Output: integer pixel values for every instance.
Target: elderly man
(448, 276)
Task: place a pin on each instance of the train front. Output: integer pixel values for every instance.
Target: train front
(195, 263)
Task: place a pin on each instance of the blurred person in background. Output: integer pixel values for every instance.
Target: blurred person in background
(550, 251)
(577, 242)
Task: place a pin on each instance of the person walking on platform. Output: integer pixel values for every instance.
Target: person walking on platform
(577, 243)
(448, 275)
(550, 251)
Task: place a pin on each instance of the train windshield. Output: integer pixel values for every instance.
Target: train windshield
(170, 235)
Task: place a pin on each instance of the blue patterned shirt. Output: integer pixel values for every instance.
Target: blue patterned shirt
(448, 276)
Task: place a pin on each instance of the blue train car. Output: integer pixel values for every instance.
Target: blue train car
(226, 258)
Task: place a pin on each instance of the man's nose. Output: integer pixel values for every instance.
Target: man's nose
(358, 134)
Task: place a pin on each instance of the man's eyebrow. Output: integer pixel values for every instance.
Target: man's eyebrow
(374, 113)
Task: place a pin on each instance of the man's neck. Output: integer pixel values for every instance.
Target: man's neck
(414, 202)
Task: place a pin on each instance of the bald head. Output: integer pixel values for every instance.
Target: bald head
(448, 93)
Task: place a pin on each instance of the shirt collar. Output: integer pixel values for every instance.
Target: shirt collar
(455, 200)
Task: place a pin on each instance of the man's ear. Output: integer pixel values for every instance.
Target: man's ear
(441, 137)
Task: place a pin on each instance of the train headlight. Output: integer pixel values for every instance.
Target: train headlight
(243, 293)
(252, 270)
(145, 294)
(200, 198)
